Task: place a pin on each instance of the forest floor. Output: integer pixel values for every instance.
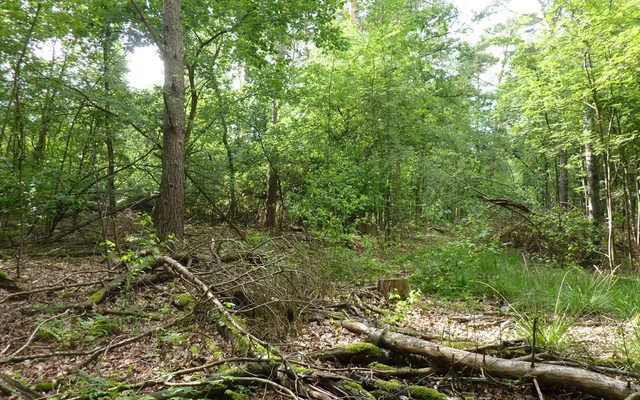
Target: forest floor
(78, 353)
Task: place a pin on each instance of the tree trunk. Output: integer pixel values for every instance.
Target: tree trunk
(233, 204)
(16, 75)
(591, 165)
(563, 180)
(272, 198)
(272, 181)
(170, 216)
(106, 56)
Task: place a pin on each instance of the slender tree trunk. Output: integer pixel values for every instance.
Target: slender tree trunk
(628, 210)
(637, 208)
(563, 180)
(110, 183)
(16, 73)
(233, 204)
(272, 181)
(170, 216)
(591, 165)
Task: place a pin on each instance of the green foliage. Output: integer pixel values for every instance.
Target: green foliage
(630, 348)
(455, 269)
(401, 308)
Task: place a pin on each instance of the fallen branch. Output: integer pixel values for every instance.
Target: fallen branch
(560, 377)
(10, 385)
(95, 298)
(227, 323)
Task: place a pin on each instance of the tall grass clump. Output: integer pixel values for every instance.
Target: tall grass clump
(462, 269)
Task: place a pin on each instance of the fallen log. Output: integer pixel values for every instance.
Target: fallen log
(11, 285)
(551, 376)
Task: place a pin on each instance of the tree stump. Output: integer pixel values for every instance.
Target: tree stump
(397, 285)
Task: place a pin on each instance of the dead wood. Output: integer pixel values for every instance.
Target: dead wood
(400, 286)
(358, 353)
(15, 359)
(227, 325)
(11, 285)
(18, 295)
(509, 204)
(98, 296)
(10, 385)
(553, 376)
(95, 298)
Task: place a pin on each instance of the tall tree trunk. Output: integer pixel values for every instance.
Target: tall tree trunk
(591, 165)
(628, 210)
(16, 74)
(272, 181)
(233, 204)
(563, 180)
(170, 215)
(106, 59)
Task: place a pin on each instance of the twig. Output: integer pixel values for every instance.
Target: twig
(537, 385)
(33, 335)
(46, 355)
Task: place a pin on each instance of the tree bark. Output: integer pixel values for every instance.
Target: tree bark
(563, 180)
(561, 377)
(272, 181)
(106, 59)
(233, 204)
(591, 165)
(170, 217)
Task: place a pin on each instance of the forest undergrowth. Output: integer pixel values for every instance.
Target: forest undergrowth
(79, 332)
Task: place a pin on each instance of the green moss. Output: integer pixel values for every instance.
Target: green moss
(388, 386)
(464, 345)
(5, 276)
(44, 387)
(231, 395)
(425, 393)
(357, 389)
(228, 371)
(183, 300)
(364, 348)
(96, 297)
(194, 350)
(381, 366)
(380, 394)
(245, 347)
(302, 370)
